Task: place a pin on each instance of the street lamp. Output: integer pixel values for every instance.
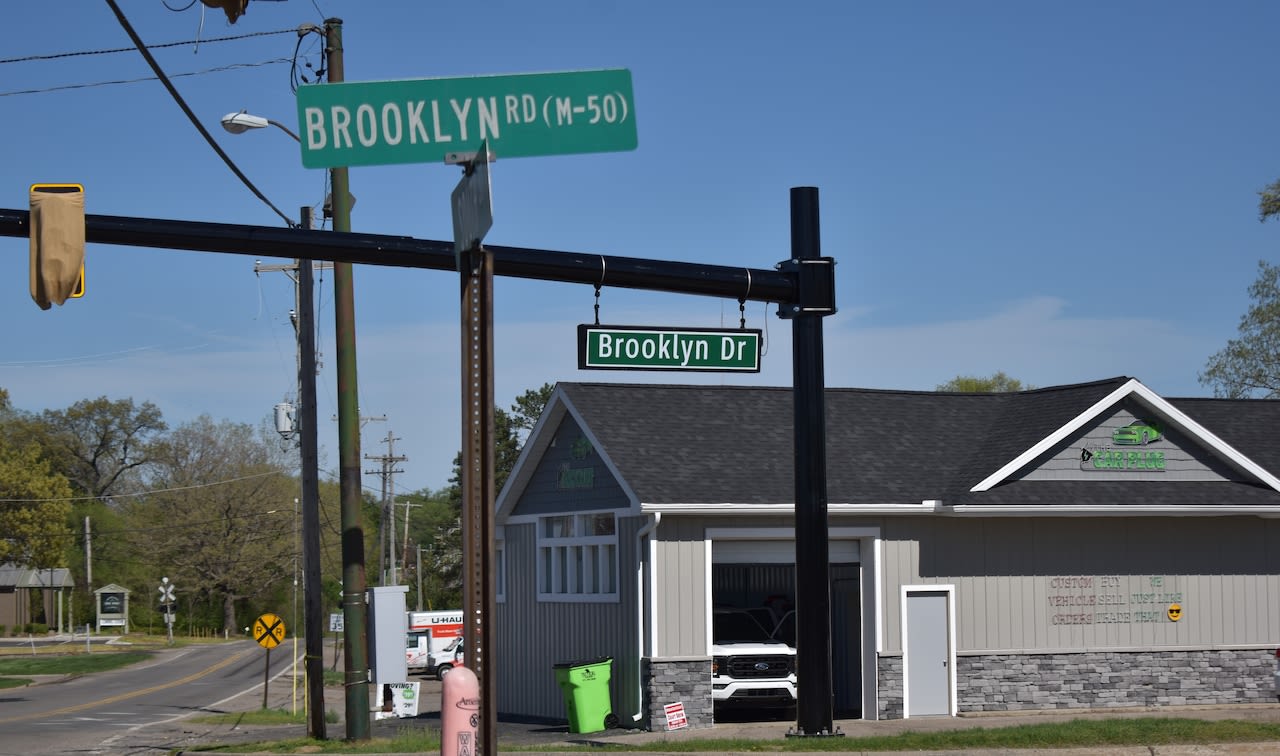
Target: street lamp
(238, 123)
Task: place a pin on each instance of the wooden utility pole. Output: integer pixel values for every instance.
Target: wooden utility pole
(387, 526)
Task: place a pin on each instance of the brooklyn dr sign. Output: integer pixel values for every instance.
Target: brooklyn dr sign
(649, 348)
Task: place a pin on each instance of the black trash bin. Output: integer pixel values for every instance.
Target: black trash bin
(585, 685)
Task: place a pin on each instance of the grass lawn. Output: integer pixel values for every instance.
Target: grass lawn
(1082, 734)
(69, 664)
(261, 717)
(13, 682)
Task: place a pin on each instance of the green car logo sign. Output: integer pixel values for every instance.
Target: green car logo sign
(1138, 433)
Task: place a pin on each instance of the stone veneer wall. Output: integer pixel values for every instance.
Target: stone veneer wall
(889, 682)
(686, 680)
(1101, 679)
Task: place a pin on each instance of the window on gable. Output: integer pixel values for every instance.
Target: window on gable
(578, 557)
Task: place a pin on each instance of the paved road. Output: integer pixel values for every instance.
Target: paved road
(97, 713)
(109, 714)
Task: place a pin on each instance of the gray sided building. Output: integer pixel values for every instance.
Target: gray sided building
(1091, 545)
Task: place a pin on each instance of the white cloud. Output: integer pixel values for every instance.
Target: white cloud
(1034, 340)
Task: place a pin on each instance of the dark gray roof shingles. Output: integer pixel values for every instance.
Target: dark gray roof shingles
(717, 444)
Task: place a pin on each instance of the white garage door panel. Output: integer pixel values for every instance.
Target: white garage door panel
(779, 551)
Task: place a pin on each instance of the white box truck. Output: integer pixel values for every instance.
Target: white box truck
(430, 633)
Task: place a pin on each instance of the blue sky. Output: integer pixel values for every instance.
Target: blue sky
(1062, 191)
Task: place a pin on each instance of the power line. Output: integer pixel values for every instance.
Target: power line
(113, 82)
(186, 109)
(161, 46)
(142, 494)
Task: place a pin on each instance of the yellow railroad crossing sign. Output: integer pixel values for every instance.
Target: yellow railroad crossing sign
(268, 630)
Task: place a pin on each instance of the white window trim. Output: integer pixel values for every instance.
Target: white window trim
(577, 544)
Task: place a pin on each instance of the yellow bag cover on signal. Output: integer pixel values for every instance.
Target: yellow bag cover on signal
(57, 242)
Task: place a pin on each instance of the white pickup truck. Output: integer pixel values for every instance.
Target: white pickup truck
(749, 667)
(444, 661)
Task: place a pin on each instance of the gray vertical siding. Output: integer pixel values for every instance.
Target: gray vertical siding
(680, 589)
(534, 635)
(1049, 584)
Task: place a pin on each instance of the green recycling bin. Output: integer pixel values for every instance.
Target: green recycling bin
(585, 685)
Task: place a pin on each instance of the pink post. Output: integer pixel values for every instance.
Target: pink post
(460, 714)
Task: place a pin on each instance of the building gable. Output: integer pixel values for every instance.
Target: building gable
(1103, 443)
(571, 475)
(1128, 444)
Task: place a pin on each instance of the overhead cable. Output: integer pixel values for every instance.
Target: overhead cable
(173, 92)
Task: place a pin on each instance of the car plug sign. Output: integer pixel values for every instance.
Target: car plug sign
(1127, 451)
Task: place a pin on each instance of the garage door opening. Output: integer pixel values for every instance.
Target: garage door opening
(759, 578)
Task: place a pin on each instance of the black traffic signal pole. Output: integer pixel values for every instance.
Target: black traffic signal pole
(813, 587)
(803, 287)
(408, 252)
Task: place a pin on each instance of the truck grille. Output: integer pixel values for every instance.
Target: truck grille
(758, 667)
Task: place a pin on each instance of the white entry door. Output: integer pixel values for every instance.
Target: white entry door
(927, 653)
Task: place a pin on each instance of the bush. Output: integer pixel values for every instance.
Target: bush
(36, 628)
(4, 630)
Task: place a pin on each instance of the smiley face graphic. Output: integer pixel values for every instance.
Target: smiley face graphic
(1174, 612)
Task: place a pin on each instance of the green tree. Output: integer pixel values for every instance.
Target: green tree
(1269, 201)
(114, 559)
(100, 444)
(440, 531)
(529, 406)
(994, 384)
(220, 518)
(510, 430)
(435, 530)
(1249, 366)
(34, 498)
(34, 504)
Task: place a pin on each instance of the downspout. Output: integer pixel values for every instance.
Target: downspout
(641, 535)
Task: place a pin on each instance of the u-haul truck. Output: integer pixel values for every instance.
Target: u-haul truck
(430, 633)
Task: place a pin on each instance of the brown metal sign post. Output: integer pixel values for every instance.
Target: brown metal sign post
(478, 601)
(472, 218)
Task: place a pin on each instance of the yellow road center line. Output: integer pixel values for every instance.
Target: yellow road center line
(130, 694)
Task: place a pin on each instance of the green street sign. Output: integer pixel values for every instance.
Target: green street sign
(714, 350)
(444, 120)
